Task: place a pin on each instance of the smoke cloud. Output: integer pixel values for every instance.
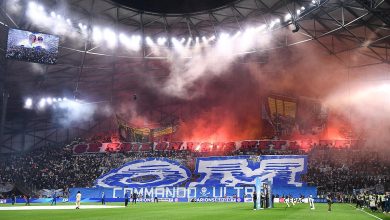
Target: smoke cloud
(214, 92)
(76, 112)
(367, 108)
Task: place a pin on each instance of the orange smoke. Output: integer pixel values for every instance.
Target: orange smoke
(220, 124)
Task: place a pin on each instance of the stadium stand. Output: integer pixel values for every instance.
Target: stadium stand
(336, 170)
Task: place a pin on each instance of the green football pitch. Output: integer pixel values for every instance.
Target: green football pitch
(195, 211)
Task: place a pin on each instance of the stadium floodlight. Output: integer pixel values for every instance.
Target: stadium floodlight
(223, 37)
(49, 101)
(196, 41)
(68, 21)
(53, 14)
(161, 41)
(42, 103)
(28, 103)
(212, 38)
(272, 24)
(131, 43)
(178, 45)
(298, 11)
(59, 16)
(59, 99)
(32, 4)
(287, 17)
(189, 40)
(302, 8)
(54, 100)
(124, 39)
(204, 39)
(182, 40)
(110, 37)
(96, 34)
(223, 40)
(174, 41)
(277, 20)
(149, 41)
(64, 99)
(313, 1)
(135, 42)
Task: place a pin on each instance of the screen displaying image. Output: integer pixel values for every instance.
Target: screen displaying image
(32, 47)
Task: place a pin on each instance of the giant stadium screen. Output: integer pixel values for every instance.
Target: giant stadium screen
(32, 46)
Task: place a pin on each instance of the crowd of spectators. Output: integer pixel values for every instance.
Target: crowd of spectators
(31, 55)
(337, 170)
(343, 170)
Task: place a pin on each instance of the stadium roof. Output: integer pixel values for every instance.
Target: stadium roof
(175, 6)
(95, 72)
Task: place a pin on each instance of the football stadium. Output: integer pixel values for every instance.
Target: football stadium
(195, 109)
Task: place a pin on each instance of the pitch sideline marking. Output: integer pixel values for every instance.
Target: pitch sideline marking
(60, 207)
(367, 213)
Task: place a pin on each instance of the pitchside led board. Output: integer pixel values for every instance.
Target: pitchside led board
(32, 46)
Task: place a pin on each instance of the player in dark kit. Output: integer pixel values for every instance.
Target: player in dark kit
(134, 197)
(13, 199)
(126, 198)
(329, 201)
(27, 199)
(54, 197)
(254, 200)
(103, 198)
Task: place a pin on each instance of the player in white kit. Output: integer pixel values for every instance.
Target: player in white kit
(311, 202)
(78, 199)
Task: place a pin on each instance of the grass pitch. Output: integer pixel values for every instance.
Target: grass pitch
(196, 211)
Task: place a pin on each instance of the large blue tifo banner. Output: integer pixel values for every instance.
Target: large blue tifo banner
(214, 177)
(212, 171)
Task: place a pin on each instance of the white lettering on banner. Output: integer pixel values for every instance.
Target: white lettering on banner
(129, 190)
(114, 192)
(215, 200)
(139, 191)
(220, 192)
(159, 192)
(193, 190)
(149, 192)
(169, 193)
(238, 191)
(181, 192)
(249, 190)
